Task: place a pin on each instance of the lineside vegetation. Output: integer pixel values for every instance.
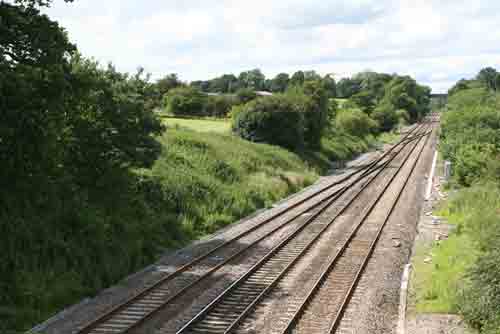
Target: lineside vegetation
(94, 186)
(465, 276)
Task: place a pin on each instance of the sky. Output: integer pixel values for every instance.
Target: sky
(436, 41)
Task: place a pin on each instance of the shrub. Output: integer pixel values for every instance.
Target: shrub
(355, 122)
(471, 134)
(246, 95)
(219, 106)
(386, 117)
(273, 120)
(185, 101)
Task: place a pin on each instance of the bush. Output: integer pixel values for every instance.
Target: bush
(219, 106)
(272, 120)
(386, 117)
(355, 122)
(246, 95)
(187, 101)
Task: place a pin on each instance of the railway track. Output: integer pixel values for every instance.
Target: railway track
(226, 312)
(139, 308)
(330, 295)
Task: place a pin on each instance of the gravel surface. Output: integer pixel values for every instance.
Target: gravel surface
(437, 324)
(272, 315)
(67, 321)
(374, 305)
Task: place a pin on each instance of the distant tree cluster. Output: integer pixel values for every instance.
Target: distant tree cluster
(256, 81)
(217, 96)
(488, 78)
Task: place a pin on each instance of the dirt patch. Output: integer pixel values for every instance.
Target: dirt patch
(436, 324)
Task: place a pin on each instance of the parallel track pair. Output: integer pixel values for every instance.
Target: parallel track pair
(264, 275)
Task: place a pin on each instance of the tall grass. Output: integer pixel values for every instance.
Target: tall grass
(237, 176)
(463, 275)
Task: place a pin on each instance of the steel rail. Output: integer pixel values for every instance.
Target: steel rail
(269, 255)
(365, 170)
(336, 321)
(310, 295)
(179, 293)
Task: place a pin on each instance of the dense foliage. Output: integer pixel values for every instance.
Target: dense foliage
(294, 120)
(71, 133)
(379, 103)
(275, 120)
(471, 140)
(355, 122)
(471, 135)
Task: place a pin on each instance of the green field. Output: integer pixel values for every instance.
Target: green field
(200, 125)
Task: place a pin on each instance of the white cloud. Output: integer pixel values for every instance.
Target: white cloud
(437, 41)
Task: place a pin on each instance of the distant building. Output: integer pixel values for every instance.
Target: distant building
(263, 93)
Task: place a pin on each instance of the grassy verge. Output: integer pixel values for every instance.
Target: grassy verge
(201, 125)
(436, 283)
(462, 275)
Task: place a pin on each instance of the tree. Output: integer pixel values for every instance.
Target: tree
(168, 82)
(297, 79)
(460, 85)
(488, 77)
(280, 83)
(204, 86)
(32, 3)
(162, 86)
(373, 83)
(311, 76)
(34, 84)
(365, 100)
(330, 86)
(226, 83)
(253, 79)
(109, 127)
(347, 87)
(316, 117)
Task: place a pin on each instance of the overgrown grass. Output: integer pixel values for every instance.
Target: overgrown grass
(436, 283)
(237, 176)
(462, 275)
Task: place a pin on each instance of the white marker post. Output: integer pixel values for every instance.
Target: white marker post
(403, 300)
(428, 191)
